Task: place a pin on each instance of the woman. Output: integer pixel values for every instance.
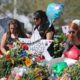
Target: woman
(73, 37)
(42, 24)
(70, 55)
(14, 31)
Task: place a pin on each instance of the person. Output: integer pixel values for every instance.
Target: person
(73, 39)
(42, 24)
(77, 22)
(14, 31)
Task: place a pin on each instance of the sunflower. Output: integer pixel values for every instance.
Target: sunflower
(28, 62)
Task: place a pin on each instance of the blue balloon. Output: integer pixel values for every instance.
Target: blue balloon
(54, 12)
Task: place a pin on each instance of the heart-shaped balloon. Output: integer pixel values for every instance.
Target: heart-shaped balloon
(73, 53)
(54, 12)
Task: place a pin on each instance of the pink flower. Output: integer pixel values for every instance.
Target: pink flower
(40, 58)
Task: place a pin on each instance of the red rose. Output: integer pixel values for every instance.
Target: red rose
(40, 58)
(8, 57)
(25, 47)
(1, 53)
(23, 58)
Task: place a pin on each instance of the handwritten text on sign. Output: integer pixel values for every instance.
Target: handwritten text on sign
(39, 46)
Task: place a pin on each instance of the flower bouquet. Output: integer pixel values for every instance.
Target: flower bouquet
(73, 72)
(58, 39)
(20, 64)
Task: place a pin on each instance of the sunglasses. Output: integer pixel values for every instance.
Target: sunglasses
(73, 32)
(36, 18)
(12, 28)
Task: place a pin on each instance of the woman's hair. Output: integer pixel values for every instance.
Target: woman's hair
(42, 15)
(18, 28)
(75, 27)
(44, 21)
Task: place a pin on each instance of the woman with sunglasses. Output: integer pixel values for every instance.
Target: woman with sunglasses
(73, 37)
(14, 31)
(42, 24)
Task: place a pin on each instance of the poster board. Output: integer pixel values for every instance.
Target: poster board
(39, 46)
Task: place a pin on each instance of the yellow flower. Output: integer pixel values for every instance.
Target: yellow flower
(12, 60)
(28, 62)
(39, 78)
(36, 70)
(8, 52)
(29, 53)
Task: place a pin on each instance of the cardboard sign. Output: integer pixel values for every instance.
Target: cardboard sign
(38, 47)
(35, 36)
(65, 29)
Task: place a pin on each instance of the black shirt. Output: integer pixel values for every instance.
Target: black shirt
(44, 29)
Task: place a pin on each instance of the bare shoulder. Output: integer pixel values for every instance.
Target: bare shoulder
(3, 40)
(4, 35)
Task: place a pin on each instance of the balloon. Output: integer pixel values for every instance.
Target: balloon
(73, 53)
(58, 68)
(54, 12)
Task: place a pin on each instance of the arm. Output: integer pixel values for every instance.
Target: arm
(63, 44)
(49, 35)
(3, 43)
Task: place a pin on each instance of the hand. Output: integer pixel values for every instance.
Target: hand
(63, 45)
(10, 46)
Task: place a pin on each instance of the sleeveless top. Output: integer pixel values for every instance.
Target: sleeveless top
(10, 42)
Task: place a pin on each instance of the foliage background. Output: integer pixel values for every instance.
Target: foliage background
(71, 9)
